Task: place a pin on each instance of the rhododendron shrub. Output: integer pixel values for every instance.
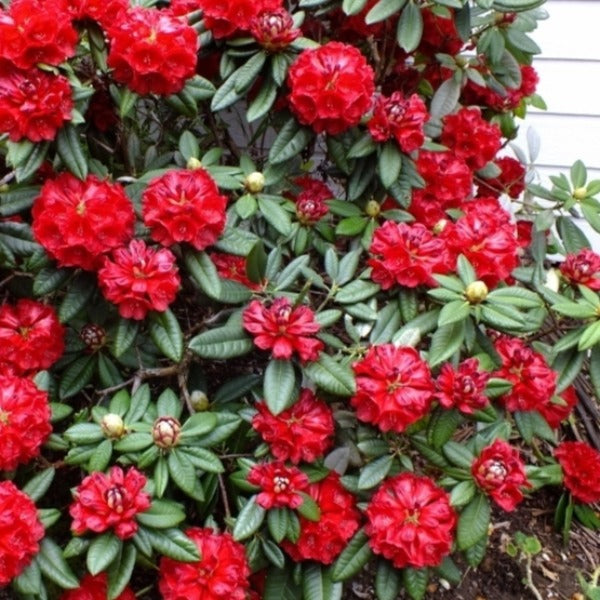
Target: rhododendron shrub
(278, 300)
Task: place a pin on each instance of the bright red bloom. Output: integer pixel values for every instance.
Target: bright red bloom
(511, 180)
(152, 51)
(24, 421)
(34, 104)
(394, 387)
(104, 12)
(406, 255)
(139, 279)
(559, 407)
(583, 268)
(303, 432)
(230, 266)
(534, 382)
(350, 27)
(36, 31)
(410, 521)
(109, 502)
(20, 531)
(471, 138)
(580, 464)
(310, 202)
(439, 34)
(399, 118)
(274, 29)
(280, 485)
(331, 87)
(184, 205)
(462, 388)
(78, 222)
(94, 587)
(500, 473)
(283, 329)
(221, 574)
(323, 540)
(31, 337)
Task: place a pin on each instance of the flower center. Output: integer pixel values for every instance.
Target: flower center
(115, 498)
(4, 415)
(280, 484)
(412, 517)
(496, 470)
(24, 332)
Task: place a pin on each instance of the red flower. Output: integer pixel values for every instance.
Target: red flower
(399, 118)
(323, 540)
(78, 222)
(109, 502)
(280, 485)
(410, 521)
(221, 574)
(24, 421)
(283, 329)
(94, 587)
(534, 382)
(439, 34)
(36, 31)
(139, 279)
(500, 472)
(301, 433)
(559, 407)
(230, 266)
(152, 51)
(471, 138)
(310, 202)
(33, 104)
(511, 180)
(406, 255)
(274, 29)
(394, 387)
(184, 206)
(31, 337)
(331, 87)
(583, 268)
(462, 388)
(20, 531)
(580, 464)
(104, 12)
(350, 27)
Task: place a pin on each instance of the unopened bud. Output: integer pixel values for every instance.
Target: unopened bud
(193, 163)
(476, 292)
(166, 432)
(372, 208)
(255, 182)
(199, 400)
(580, 193)
(93, 336)
(552, 280)
(440, 226)
(112, 426)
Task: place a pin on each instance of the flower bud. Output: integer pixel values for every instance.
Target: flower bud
(580, 193)
(166, 432)
(199, 400)
(93, 336)
(193, 163)
(274, 30)
(115, 498)
(440, 226)
(255, 182)
(552, 280)
(372, 208)
(112, 426)
(476, 292)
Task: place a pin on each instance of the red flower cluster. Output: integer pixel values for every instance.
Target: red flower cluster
(24, 421)
(109, 501)
(283, 329)
(104, 12)
(406, 255)
(139, 279)
(410, 521)
(280, 485)
(323, 540)
(20, 531)
(301, 433)
(394, 387)
(152, 51)
(557, 408)
(95, 587)
(500, 472)
(583, 268)
(439, 34)
(78, 222)
(331, 87)
(33, 104)
(463, 388)
(31, 337)
(310, 202)
(580, 464)
(221, 574)
(471, 137)
(184, 206)
(274, 29)
(534, 382)
(399, 118)
(230, 266)
(511, 180)
(36, 31)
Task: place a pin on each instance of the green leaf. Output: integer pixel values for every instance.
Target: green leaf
(80, 291)
(331, 376)
(49, 280)
(246, 75)
(374, 472)
(166, 334)
(390, 162)
(77, 375)
(120, 573)
(188, 145)
(590, 336)
(127, 330)
(226, 95)
(102, 551)
(353, 7)
(572, 237)
(277, 522)
(473, 522)
(458, 310)
(162, 514)
(172, 543)
(275, 215)
(383, 9)
(34, 161)
(462, 493)
(387, 581)
(101, 457)
(249, 520)
(30, 580)
(54, 566)
(279, 385)
(204, 459)
(263, 101)
(203, 272)
(221, 343)
(445, 342)
(356, 291)
(290, 141)
(364, 146)
(273, 553)
(445, 98)
(198, 424)
(71, 152)
(410, 27)
(37, 486)
(182, 471)
(458, 454)
(353, 558)
(415, 581)
(317, 583)
(309, 509)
